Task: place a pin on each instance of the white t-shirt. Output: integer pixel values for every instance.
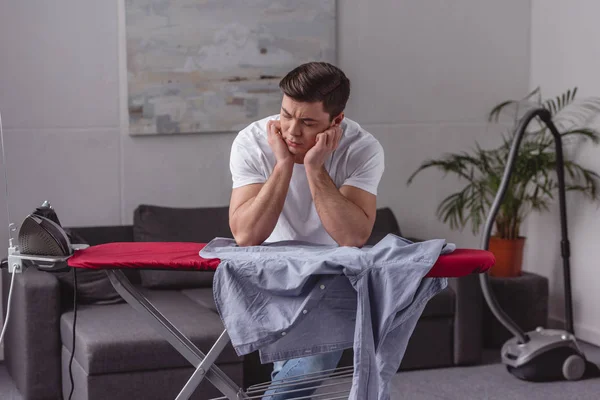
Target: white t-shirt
(358, 161)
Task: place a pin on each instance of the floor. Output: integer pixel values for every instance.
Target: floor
(8, 391)
(489, 381)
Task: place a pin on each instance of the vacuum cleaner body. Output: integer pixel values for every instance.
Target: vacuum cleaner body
(549, 355)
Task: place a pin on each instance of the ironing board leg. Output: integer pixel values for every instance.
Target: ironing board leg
(200, 372)
(204, 364)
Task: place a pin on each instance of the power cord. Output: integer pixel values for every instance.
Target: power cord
(12, 281)
(73, 339)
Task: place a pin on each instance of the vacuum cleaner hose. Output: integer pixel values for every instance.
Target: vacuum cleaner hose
(545, 116)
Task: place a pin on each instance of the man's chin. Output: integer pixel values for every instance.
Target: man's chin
(298, 155)
(299, 159)
(296, 151)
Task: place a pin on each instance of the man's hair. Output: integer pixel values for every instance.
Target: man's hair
(318, 81)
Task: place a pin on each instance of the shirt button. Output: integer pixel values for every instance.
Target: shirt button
(322, 287)
(304, 311)
(282, 333)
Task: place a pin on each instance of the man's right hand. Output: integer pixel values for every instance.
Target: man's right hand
(278, 145)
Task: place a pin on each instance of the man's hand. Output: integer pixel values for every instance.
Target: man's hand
(254, 209)
(278, 145)
(326, 143)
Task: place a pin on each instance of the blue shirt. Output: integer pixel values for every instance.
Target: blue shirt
(289, 299)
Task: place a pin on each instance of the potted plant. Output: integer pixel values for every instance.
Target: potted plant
(532, 185)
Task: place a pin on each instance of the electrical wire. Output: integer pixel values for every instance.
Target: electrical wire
(12, 281)
(73, 339)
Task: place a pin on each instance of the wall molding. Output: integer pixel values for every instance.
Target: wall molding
(582, 332)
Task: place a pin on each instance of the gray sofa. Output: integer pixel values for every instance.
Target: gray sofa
(118, 356)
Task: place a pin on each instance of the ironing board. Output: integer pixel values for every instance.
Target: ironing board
(113, 258)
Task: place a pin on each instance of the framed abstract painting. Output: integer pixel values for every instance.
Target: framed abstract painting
(214, 65)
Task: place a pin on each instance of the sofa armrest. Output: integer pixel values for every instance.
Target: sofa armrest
(468, 339)
(32, 343)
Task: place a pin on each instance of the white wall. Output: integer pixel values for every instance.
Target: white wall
(566, 53)
(424, 75)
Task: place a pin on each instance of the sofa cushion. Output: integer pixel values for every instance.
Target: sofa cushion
(202, 296)
(93, 287)
(117, 338)
(160, 384)
(169, 279)
(167, 224)
(442, 304)
(95, 235)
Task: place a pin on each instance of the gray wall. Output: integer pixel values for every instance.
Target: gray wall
(566, 53)
(424, 75)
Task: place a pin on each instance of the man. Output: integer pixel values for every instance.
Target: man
(307, 174)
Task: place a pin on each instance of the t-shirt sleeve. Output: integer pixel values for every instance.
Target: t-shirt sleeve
(244, 164)
(366, 165)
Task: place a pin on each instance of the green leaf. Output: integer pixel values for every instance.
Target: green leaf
(586, 132)
(494, 115)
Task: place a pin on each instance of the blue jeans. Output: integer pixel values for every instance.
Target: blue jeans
(284, 370)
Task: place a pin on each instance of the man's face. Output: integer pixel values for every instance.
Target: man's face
(300, 124)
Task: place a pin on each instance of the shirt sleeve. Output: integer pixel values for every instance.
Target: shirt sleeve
(244, 164)
(366, 167)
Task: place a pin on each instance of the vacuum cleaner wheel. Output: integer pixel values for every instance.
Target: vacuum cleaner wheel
(556, 364)
(573, 367)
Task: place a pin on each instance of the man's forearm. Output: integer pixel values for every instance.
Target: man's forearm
(345, 222)
(255, 220)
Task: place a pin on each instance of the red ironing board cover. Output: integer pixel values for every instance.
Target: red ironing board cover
(144, 255)
(184, 256)
(462, 262)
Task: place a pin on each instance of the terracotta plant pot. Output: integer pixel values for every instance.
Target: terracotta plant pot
(509, 256)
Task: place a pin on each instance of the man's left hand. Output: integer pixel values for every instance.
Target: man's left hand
(326, 143)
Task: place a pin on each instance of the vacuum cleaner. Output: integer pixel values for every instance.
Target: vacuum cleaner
(543, 354)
